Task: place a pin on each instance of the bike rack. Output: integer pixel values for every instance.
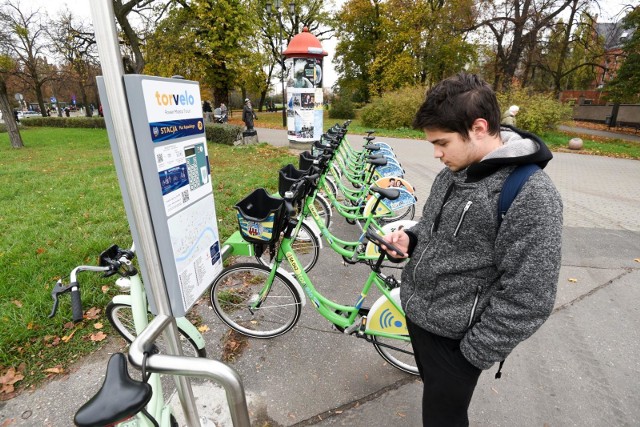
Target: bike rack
(191, 367)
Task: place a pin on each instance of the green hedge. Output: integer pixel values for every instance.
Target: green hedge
(65, 122)
(539, 112)
(223, 133)
(394, 110)
(342, 108)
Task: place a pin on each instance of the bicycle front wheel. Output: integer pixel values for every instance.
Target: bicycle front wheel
(236, 292)
(398, 353)
(121, 317)
(306, 246)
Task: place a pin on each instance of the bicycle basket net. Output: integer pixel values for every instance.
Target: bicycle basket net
(260, 217)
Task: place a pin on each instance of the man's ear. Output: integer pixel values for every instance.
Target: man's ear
(480, 126)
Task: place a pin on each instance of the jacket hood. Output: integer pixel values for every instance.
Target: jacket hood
(519, 148)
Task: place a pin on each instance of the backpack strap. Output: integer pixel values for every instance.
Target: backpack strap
(510, 189)
(512, 186)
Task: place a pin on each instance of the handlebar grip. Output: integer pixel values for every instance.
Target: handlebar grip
(76, 303)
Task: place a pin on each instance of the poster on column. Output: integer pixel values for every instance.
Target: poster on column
(304, 99)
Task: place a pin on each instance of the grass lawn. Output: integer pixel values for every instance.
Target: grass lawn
(61, 206)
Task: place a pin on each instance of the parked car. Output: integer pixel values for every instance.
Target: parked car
(28, 113)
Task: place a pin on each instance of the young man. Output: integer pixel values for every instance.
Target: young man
(474, 287)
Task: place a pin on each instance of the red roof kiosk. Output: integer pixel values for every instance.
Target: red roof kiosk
(303, 61)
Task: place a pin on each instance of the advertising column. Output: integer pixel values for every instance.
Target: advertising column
(303, 60)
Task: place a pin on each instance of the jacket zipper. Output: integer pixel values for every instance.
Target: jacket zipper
(475, 305)
(464, 212)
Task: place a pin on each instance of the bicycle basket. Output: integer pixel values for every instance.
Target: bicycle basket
(260, 217)
(287, 176)
(305, 160)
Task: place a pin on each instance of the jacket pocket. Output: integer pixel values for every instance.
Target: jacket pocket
(455, 303)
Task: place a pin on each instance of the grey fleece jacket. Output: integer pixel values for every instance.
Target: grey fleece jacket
(468, 278)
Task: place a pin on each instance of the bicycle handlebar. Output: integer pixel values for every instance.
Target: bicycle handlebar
(108, 266)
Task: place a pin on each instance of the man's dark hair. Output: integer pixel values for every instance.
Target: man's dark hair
(455, 103)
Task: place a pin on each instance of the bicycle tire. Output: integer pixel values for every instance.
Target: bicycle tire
(331, 186)
(405, 213)
(306, 245)
(239, 285)
(403, 361)
(121, 318)
(323, 207)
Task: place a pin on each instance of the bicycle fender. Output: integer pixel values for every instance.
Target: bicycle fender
(314, 229)
(122, 299)
(385, 317)
(191, 331)
(295, 283)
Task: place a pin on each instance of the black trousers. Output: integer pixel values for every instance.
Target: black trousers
(449, 379)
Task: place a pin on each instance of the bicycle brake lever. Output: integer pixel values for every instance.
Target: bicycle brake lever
(57, 290)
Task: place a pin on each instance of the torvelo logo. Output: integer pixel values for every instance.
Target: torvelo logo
(175, 98)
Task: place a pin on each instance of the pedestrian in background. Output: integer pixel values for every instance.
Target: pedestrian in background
(509, 116)
(248, 115)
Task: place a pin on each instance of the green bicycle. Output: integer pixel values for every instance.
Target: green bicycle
(266, 301)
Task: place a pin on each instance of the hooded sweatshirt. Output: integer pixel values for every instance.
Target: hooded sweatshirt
(473, 279)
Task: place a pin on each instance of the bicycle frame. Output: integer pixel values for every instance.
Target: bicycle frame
(333, 311)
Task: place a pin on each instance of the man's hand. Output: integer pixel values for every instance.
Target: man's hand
(400, 239)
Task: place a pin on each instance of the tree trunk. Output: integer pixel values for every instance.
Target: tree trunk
(9, 119)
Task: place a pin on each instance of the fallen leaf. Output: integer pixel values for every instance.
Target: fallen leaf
(40, 251)
(572, 280)
(69, 325)
(98, 325)
(30, 326)
(105, 289)
(55, 370)
(637, 260)
(203, 328)
(17, 303)
(67, 338)
(401, 414)
(7, 422)
(92, 314)
(98, 336)
(7, 380)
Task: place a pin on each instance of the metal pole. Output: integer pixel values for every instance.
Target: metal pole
(103, 19)
(284, 99)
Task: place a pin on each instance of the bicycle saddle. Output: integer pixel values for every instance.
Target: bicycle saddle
(369, 138)
(119, 398)
(371, 147)
(378, 162)
(374, 156)
(387, 193)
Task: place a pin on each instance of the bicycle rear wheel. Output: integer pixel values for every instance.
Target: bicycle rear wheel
(121, 317)
(306, 246)
(398, 353)
(238, 287)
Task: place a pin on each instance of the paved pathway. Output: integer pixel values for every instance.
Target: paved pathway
(581, 368)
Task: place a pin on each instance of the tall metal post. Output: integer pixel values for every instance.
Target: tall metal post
(103, 19)
(284, 98)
